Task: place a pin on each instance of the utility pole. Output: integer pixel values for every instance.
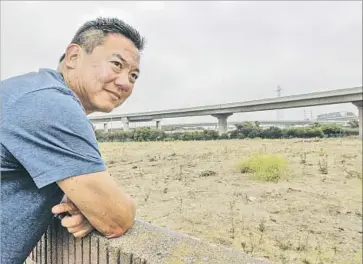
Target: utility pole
(308, 114)
(278, 111)
(278, 91)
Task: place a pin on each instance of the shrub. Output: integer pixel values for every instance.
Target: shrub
(120, 136)
(272, 132)
(148, 134)
(224, 136)
(314, 132)
(255, 133)
(234, 134)
(247, 129)
(142, 134)
(264, 167)
(100, 136)
(347, 132)
(303, 132)
(353, 123)
(332, 130)
(187, 136)
(210, 135)
(243, 131)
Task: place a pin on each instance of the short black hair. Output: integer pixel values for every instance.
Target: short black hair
(92, 33)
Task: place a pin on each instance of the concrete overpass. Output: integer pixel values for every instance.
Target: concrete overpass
(223, 111)
(284, 123)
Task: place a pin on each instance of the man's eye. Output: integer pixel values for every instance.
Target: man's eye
(134, 76)
(117, 64)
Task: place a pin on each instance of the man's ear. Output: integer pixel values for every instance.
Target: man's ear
(72, 55)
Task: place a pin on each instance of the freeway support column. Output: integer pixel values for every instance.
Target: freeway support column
(359, 104)
(222, 122)
(105, 127)
(158, 124)
(125, 123)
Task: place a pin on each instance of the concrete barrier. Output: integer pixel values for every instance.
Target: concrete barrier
(143, 244)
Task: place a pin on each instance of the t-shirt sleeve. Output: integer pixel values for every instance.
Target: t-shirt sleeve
(48, 132)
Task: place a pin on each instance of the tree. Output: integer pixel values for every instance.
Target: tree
(353, 123)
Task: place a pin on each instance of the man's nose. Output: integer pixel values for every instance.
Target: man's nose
(123, 83)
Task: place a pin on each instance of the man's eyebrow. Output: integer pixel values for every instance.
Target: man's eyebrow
(117, 55)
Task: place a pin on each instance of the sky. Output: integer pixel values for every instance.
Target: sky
(207, 52)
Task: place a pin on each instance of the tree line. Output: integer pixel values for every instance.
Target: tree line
(243, 131)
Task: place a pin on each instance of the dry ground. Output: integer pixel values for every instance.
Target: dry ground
(194, 188)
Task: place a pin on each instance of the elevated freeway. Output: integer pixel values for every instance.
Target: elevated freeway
(223, 111)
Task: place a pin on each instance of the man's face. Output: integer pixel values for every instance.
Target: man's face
(106, 77)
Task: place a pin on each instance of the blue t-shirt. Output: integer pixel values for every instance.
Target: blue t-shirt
(45, 137)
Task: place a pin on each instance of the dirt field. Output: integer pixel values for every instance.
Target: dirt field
(194, 188)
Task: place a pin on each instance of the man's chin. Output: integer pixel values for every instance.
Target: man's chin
(106, 109)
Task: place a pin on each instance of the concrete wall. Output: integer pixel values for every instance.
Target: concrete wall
(143, 244)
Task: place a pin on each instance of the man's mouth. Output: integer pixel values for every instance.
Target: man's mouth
(116, 95)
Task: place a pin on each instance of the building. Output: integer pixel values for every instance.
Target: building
(337, 116)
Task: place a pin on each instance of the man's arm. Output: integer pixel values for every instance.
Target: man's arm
(58, 145)
(105, 205)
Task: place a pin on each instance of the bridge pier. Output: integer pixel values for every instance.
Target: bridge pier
(105, 127)
(125, 123)
(158, 124)
(359, 104)
(222, 122)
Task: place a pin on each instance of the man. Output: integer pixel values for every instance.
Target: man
(48, 146)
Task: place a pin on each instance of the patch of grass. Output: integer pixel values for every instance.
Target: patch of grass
(303, 158)
(264, 167)
(323, 165)
(206, 173)
(262, 226)
(351, 174)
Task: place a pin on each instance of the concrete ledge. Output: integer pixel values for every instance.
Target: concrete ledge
(143, 244)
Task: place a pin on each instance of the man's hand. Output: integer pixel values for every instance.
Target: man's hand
(105, 204)
(76, 223)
